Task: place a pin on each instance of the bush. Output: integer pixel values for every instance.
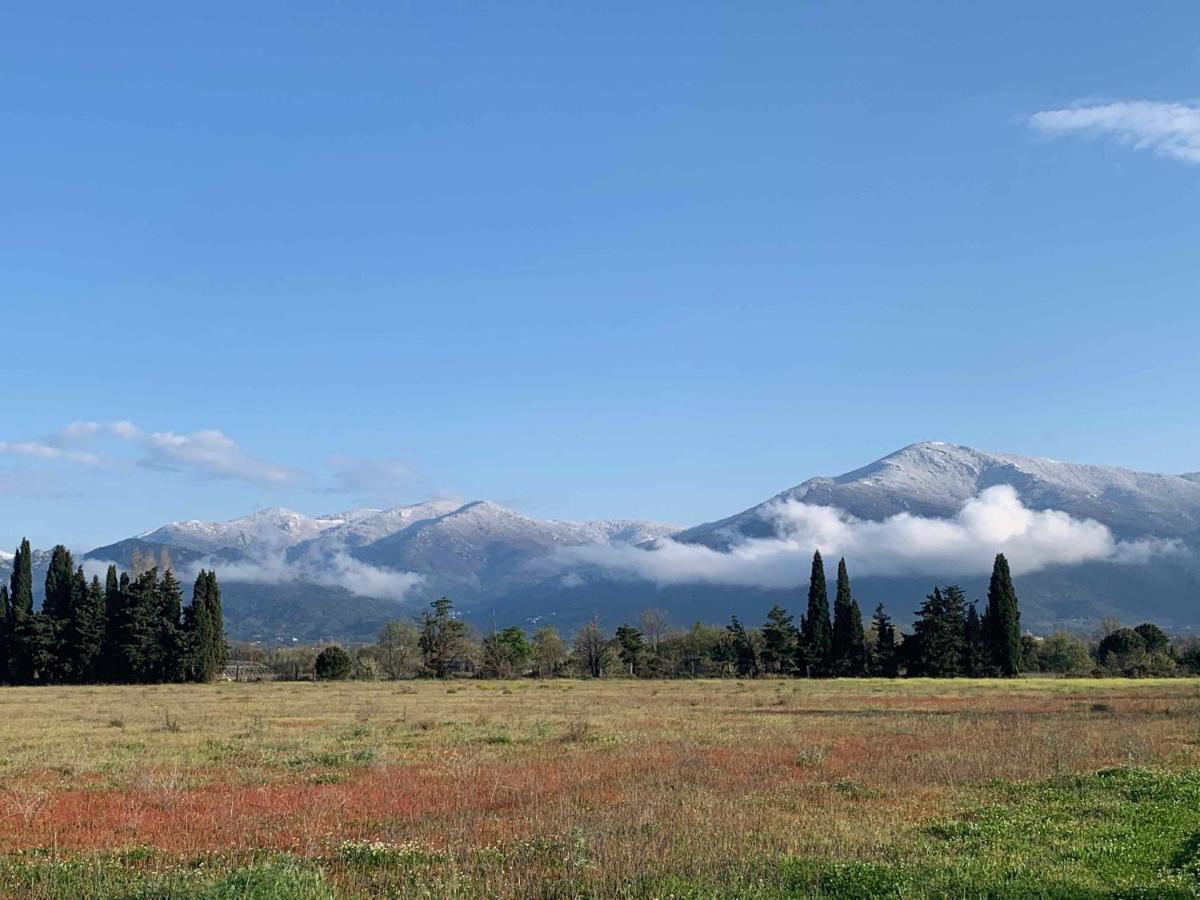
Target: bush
(333, 664)
(1136, 652)
(1064, 654)
(366, 669)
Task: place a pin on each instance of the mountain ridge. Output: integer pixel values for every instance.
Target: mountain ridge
(292, 574)
(934, 479)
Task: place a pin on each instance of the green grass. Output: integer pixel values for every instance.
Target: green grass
(113, 877)
(1118, 833)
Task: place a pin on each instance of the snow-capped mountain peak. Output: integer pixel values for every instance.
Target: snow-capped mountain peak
(934, 478)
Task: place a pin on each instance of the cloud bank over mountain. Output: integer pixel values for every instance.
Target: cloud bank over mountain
(338, 569)
(995, 521)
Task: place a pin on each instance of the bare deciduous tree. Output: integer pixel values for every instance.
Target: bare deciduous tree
(654, 624)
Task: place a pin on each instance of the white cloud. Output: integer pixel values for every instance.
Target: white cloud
(207, 452)
(44, 451)
(994, 522)
(338, 570)
(1168, 129)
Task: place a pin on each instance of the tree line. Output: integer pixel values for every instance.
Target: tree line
(133, 628)
(951, 637)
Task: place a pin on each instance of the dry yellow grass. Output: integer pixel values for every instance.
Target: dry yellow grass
(689, 777)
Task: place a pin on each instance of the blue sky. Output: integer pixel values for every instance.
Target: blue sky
(588, 260)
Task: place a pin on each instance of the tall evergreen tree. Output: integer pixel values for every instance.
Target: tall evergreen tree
(34, 658)
(219, 646)
(856, 662)
(974, 664)
(60, 584)
(85, 630)
(936, 650)
(109, 665)
(135, 645)
(630, 647)
(779, 641)
(442, 638)
(23, 637)
(849, 642)
(884, 657)
(58, 599)
(1003, 617)
(20, 592)
(204, 627)
(818, 631)
(745, 655)
(196, 633)
(171, 663)
(5, 615)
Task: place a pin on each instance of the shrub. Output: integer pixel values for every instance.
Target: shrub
(1064, 654)
(333, 664)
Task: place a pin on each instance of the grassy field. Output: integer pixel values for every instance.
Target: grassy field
(614, 788)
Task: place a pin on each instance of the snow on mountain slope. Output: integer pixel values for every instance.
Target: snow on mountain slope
(368, 526)
(629, 531)
(476, 547)
(483, 541)
(266, 530)
(935, 479)
(275, 529)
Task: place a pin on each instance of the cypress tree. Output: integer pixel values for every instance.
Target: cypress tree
(885, 660)
(196, 631)
(856, 661)
(974, 664)
(818, 633)
(171, 662)
(21, 635)
(109, 661)
(1003, 637)
(60, 584)
(20, 593)
(849, 642)
(5, 615)
(133, 637)
(218, 646)
(57, 601)
(34, 638)
(86, 630)
(204, 627)
(802, 662)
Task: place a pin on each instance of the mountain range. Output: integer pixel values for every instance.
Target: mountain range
(908, 519)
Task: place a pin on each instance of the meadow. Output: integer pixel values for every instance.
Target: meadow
(609, 788)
